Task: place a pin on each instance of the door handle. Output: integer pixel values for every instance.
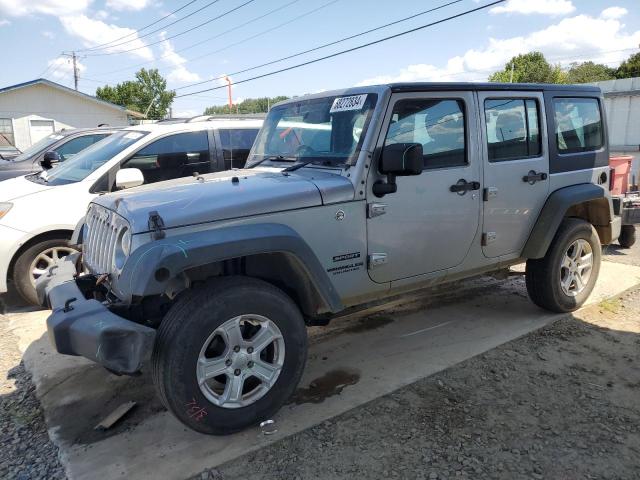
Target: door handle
(462, 186)
(532, 177)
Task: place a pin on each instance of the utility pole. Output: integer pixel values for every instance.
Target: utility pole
(75, 70)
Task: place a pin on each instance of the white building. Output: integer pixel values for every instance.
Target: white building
(622, 102)
(32, 110)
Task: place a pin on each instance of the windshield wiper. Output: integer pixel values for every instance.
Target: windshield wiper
(277, 158)
(297, 166)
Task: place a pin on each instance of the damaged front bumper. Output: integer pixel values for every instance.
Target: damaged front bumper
(87, 328)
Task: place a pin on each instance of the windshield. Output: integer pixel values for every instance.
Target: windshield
(37, 147)
(327, 131)
(89, 160)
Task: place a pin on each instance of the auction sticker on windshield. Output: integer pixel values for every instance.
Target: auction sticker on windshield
(345, 104)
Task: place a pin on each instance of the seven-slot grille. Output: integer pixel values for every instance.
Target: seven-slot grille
(103, 229)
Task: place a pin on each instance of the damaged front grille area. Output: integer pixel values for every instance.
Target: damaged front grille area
(103, 230)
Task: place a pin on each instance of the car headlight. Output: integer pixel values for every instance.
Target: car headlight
(4, 208)
(122, 248)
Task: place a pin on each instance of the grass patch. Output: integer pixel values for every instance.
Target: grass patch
(611, 305)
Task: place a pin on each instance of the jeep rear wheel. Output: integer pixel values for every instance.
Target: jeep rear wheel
(229, 354)
(563, 280)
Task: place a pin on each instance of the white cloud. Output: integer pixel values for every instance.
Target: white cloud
(48, 34)
(120, 5)
(578, 38)
(96, 32)
(4, 22)
(179, 73)
(614, 13)
(102, 15)
(62, 68)
(19, 8)
(528, 7)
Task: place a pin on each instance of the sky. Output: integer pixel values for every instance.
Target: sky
(192, 45)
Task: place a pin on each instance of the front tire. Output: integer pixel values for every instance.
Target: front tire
(34, 262)
(229, 354)
(563, 280)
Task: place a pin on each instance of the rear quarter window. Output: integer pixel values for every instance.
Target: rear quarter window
(579, 126)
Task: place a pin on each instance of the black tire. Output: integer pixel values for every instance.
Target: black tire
(22, 266)
(543, 275)
(183, 332)
(627, 236)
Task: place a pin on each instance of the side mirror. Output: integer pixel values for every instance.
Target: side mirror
(129, 178)
(398, 160)
(50, 159)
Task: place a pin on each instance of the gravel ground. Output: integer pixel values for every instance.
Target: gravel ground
(560, 403)
(26, 451)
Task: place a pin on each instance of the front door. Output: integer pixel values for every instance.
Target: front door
(516, 168)
(425, 226)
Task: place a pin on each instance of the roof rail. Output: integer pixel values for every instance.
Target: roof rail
(235, 116)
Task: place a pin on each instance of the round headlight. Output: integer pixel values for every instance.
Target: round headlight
(126, 242)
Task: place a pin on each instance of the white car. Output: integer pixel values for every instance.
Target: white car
(38, 212)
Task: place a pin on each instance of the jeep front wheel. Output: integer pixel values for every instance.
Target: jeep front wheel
(229, 354)
(627, 236)
(563, 280)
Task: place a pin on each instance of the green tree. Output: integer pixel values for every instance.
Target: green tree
(588, 72)
(148, 91)
(630, 67)
(249, 105)
(530, 68)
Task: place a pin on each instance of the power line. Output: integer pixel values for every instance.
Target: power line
(177, 34)
(205, 40)
(344, 39)
(103, 45)
(156, 30)
(353, 49)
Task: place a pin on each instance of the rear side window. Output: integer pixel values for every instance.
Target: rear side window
(438, 125)
(513, 129)
(174, 156)
(78, 144)
(236, 144)
(578, 124)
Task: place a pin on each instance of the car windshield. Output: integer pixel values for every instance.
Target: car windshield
(89, 160)
(326, 131)
(38, 147)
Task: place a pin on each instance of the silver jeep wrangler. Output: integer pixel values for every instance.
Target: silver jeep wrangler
(348, 197)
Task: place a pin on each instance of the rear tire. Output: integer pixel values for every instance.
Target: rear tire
(195, 364)
(33, 262)
(563, 280)
(627, 236)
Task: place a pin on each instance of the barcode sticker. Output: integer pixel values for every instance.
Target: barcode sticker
(345, 104)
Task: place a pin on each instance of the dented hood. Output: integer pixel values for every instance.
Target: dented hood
(222, 196)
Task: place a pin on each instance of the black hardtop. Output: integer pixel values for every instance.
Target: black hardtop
(445, 86)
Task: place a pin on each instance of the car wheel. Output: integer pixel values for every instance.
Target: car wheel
(563, 280)
(229, 354)
(34, 262)
(627, 236)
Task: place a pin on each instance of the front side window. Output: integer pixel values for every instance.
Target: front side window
(236, 145)
(578, 124)
(174, 156)
(513, 129)
(437, 124)
(323, 131)
(6, 133)
(76, 145)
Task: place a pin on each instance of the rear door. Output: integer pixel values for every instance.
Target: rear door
(516, 168)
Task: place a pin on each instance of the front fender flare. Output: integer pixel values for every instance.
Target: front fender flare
(182, 252)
